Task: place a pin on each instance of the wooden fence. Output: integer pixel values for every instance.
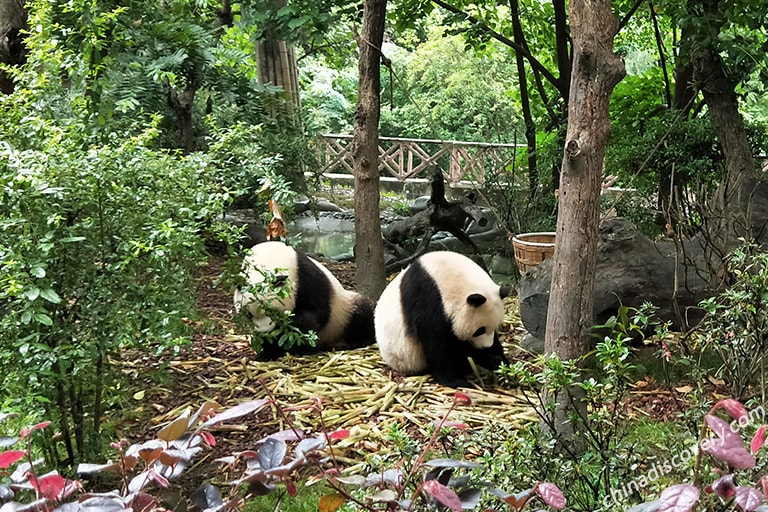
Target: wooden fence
(405, 159)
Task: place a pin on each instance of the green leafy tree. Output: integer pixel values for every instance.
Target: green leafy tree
(447, 91)
(101, 230)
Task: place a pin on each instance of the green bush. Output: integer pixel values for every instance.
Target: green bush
(98, 244)
(736, 325)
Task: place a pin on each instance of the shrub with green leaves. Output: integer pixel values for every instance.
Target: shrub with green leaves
(98, 244)
(593, 458)
(736, 325)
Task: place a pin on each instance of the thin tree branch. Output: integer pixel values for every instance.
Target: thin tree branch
(556, 82)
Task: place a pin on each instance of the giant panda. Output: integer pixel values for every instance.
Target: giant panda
(439, 311)
(341, 318)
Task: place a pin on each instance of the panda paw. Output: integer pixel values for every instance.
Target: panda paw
(452, 382)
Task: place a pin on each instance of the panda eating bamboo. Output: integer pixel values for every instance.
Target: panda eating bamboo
(341, 318)
(435, 314)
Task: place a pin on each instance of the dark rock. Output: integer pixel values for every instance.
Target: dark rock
(631, 269)
(255, 231)
(532, 344)
(304, 204)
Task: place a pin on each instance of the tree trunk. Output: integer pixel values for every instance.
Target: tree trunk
(13, 20)
(562, 45)
(276, 61)
(684, 95)
(596, 71)
(530, 124)
(369, 248)
(729, 217)
(183, 106)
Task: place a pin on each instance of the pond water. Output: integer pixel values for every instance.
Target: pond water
(332, 235)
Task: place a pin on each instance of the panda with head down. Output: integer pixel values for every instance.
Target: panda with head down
(317, 300)
(436, 313)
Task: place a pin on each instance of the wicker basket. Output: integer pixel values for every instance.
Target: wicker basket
(532, 248)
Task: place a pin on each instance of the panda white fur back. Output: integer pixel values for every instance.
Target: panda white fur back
(341, 318)
(440, 310)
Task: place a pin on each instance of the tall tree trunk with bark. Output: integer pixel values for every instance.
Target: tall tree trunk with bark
(596, 71)
(13, 20)
(276, 62)
(369, 248)
(182, 103)
(530, 124)
(277, 66)
(729, 215)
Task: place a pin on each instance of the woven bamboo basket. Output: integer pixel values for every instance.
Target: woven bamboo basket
(532, 248)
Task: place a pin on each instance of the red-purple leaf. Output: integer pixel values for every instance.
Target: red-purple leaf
(150, 455)
(28, 430)
(452, 463)
(516, 501)
(450, 424)
(463, 397)
(85, 469)
(357, 480)
(678, 498)
(205, 411)
(160, 479)
(733, 407)
(6, 441)
(443, 494)
(237, 411)
(142, 502)
(134, 449)
(309, 445)
(70, 486)
(9, 457)
(174, 429)
(759, 439)
(748, 498)
(290, 487)
(728, 446)
(342, 433)
(53, 487)
(551, 495)
(286, 469)
(285, 435)
(724, 487)
(650, 506)
(5, 415)
(271, 454)
(139, 481)
(208, 438)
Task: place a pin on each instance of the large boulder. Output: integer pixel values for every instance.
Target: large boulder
(631, 269)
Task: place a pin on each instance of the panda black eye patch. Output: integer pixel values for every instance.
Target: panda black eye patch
(479, 332)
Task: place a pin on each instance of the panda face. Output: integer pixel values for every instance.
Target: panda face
(478, 318)
(260, 320)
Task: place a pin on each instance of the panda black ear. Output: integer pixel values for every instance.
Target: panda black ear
(476, 300)
(505, 291)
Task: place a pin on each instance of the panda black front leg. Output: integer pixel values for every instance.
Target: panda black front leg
(445, 360)
(450, 381)
(490, 358)
(270, 351)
